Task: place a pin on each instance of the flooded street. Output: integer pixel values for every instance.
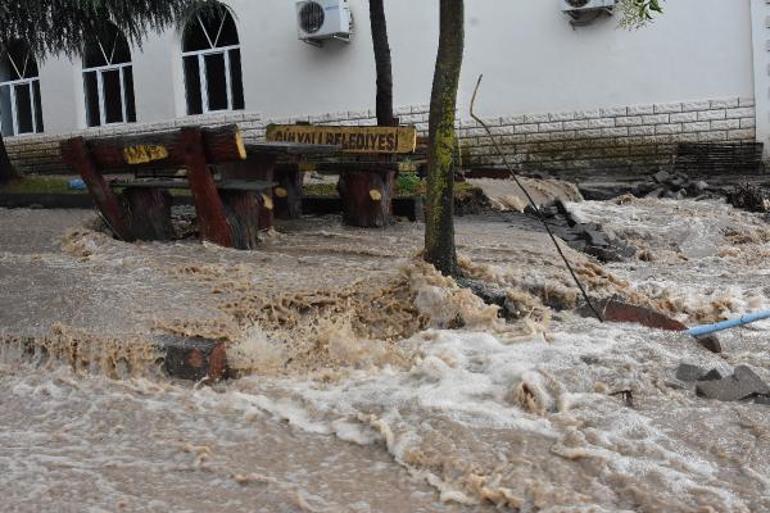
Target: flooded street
(368, 383)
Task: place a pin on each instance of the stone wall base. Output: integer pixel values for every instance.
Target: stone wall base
(634, 139)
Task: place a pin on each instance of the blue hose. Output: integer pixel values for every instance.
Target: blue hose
(726, 325)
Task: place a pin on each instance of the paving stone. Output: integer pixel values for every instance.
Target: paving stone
(677, 182)
(745, 375)
(742, 384)
(698, 187)
(568, 235)
(656, 193)
(712, 375)
(596, 238)
(688, 373)
(579, 245)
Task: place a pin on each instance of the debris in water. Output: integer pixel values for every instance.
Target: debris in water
(689, 373)
(743, 384)
(749, 197)
(626, 395)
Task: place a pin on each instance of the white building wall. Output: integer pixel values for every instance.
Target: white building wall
(760, 12)
(533, 60)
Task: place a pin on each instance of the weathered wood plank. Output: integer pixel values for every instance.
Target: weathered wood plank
(193, 358)
(292, 148)
(166, 149)
(212, 219)
(227, 185)
(352, 139)
(76, 154)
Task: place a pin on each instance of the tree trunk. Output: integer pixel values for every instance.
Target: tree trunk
(383, 61)
(439, 229)
(7, 171)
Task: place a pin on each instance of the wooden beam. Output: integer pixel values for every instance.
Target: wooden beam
(165, 149)
(193, 358)
(212, 219)
(75, 153)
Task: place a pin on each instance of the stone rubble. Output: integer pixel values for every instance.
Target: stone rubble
(743, 384)
(588, 238)
(666, 185)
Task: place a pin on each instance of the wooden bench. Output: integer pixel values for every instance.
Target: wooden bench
(278, 162)
(227, 210)
(367, 165)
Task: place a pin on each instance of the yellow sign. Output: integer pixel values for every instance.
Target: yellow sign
(135, 155)
(352, 139)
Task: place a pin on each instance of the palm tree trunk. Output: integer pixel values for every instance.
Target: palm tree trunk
(7, 171)
(439, 229)
(383, 62)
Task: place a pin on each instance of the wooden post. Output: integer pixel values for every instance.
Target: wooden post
(193, 358)
(289, 192)
(76, 154)
(242, 209)
(212, 219)
(257, 166)
(367, 197)
(149, 213)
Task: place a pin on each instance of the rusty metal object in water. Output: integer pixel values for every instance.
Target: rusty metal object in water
(613, 310)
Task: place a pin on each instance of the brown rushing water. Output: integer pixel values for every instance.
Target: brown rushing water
(355, 396)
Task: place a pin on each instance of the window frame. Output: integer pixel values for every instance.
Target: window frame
(200, 56)
(100, 71)
(30, 83)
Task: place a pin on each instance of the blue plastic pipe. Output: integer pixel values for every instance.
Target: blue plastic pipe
(726, 325)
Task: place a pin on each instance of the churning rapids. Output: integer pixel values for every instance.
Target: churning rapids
(367, 383)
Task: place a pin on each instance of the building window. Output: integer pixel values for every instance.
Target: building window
(20, 106)
(212, 62)
(108, 79)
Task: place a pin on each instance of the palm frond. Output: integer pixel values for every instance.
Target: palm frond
(63, 26)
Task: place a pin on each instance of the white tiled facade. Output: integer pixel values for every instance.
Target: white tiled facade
(558, 97)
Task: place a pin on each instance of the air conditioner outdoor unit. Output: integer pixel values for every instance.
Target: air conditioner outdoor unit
(320, 20)
(577, 6)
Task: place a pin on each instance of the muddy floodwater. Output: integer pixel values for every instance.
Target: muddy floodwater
(368, 383)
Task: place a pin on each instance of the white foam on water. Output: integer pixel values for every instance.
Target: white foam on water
(468, 379)
(529, 424)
